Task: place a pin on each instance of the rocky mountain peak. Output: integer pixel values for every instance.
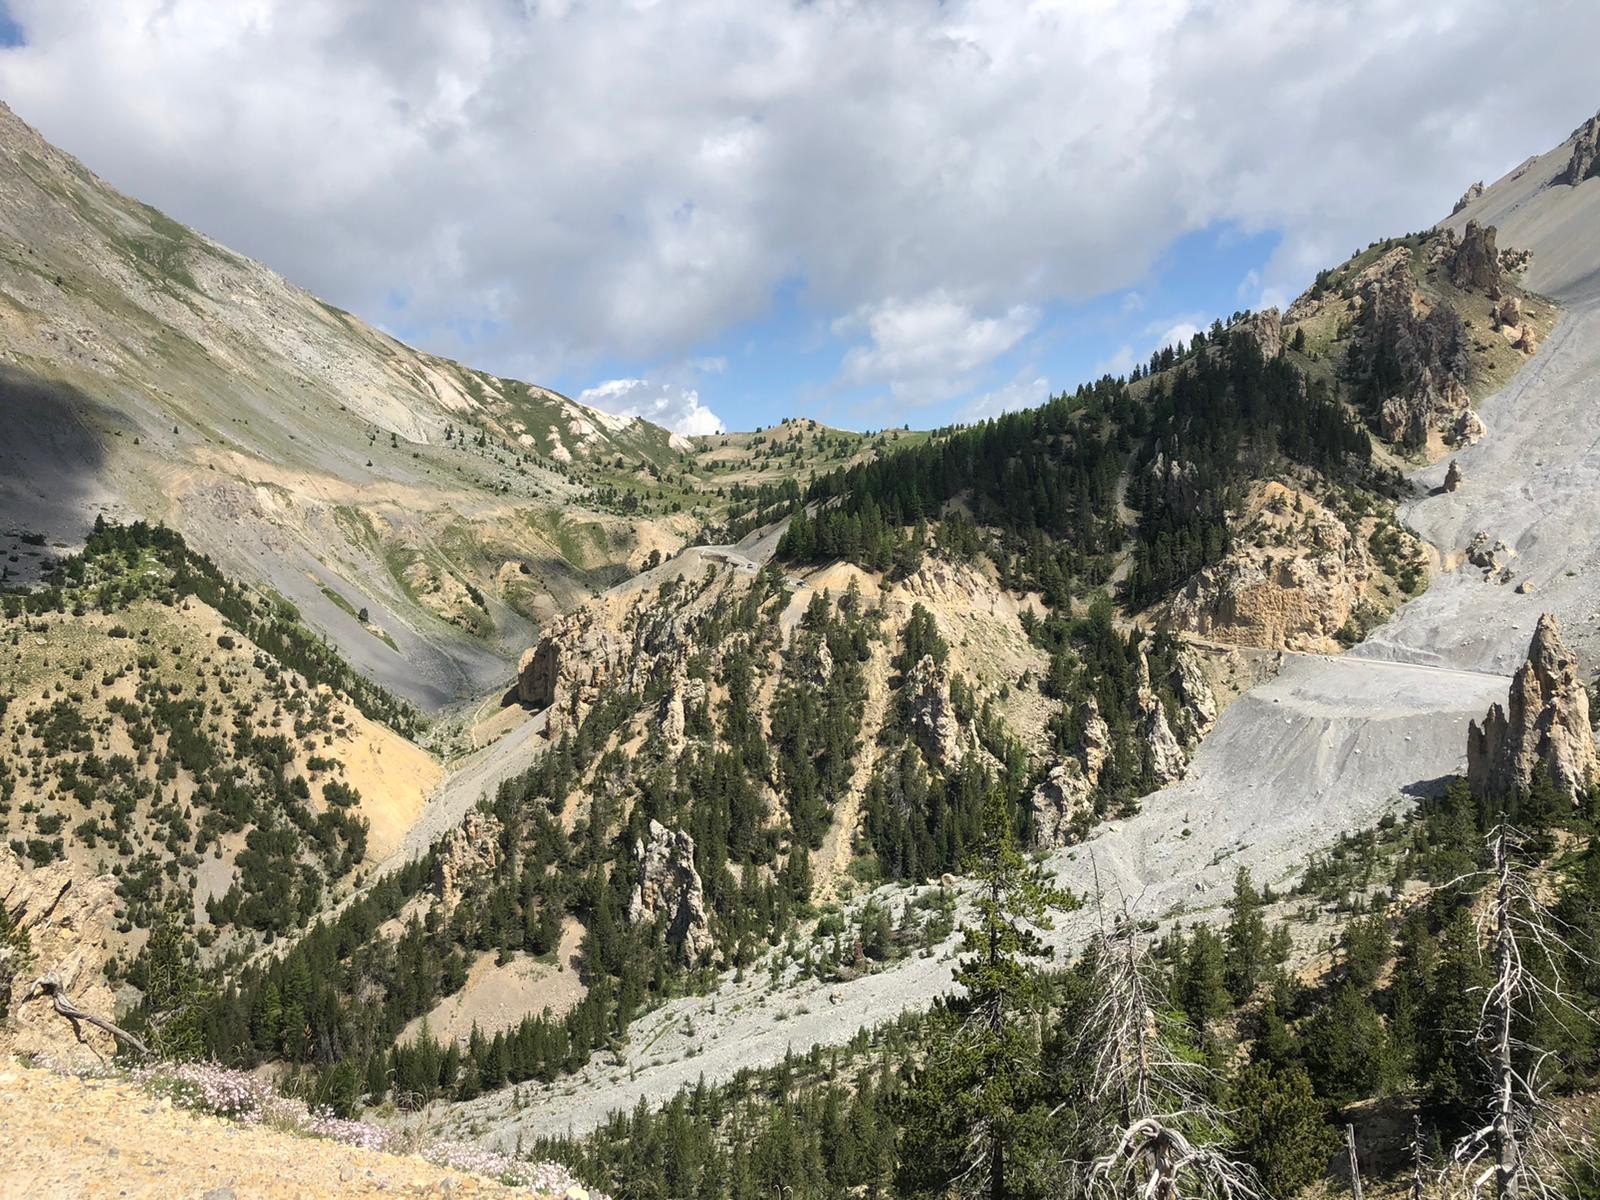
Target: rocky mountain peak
(1545, 723)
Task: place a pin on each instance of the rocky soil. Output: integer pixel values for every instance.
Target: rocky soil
(72, 1138)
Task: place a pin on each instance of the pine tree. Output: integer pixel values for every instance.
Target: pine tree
(1280, 1128)
(976, 1115)
(173, 1008)
(1246, 950)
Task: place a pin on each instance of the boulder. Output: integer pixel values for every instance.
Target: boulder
(1545, 723)
(1452, 477)
(668, 884)
(1482, 553)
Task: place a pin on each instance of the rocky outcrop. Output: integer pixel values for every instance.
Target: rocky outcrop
(1177, 482)
(1066, 795)
(1467, 197)
(669, 885)
(1545, 724)
(64, 922)
(1475, 263)
(1159, 746)
(1197, 703)
(1063, 802)
(684, 695)
(565, 673)
(537, 673)
(925, 701)
(1295, 575)
(1431, 403)
(469, 851)
(1452, 477)
(1585, 160)
(1266, 328)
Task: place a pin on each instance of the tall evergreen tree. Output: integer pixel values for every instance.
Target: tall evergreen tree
(976, 1113)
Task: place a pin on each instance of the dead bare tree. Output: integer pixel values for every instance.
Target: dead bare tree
(50, 985)
(1146, 1103)
(1521, 1150)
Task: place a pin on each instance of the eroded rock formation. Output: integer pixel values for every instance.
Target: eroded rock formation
(669, 884)
(1068, 790)
(684, 695)
(1475, 263)
(1545, 723)
(925, 695)
(537, 672)
(1585, 160)
(469, 851)
(1296, 574)
(1064, 800)
(1431, 404)
(1452, 477)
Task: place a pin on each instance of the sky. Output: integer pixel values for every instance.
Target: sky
(720, 213)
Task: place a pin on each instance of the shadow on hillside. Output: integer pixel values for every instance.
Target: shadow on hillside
(52, 466)
(1425, 789)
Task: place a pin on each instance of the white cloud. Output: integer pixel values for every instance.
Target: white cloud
(928, 348)
(1181, 333)
(628, 180)
(1119, 363)
(670, 405)
(1026, 390)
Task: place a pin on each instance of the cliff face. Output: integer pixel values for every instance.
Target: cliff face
(1545, 723)
(1296, 576)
